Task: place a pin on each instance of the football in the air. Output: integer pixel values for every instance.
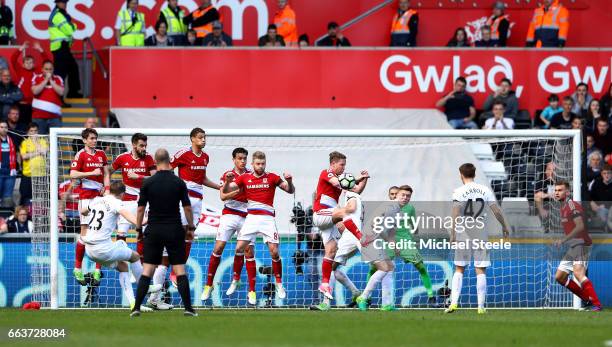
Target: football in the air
(347, 181)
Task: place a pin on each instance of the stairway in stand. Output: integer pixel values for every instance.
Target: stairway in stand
(75, 116)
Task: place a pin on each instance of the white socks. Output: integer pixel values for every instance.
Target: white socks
(376, 277)
(126, 286)
(387, 289)
(158, 278)
(136, 268)
(343, 278)
(456, 287)
(481, 289)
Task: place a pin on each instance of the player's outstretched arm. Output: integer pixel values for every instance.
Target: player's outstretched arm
(362, 180)
(211, 184)
(499, 215)
(287, 184)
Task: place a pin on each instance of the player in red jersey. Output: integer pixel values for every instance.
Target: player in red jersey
(327, 214)
(231, 221)
(90, 167)
(577, 238)
(259, 187)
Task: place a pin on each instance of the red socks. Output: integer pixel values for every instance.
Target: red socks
(213, 263)
(277, 269)
(140, 249)
(238, 263)
(98, 266)
(589, 291)
(80, 253)
(326, 270)
(251, 273)
(350, 225)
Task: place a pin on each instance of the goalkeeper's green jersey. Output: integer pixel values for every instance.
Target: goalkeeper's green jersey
(406, 232)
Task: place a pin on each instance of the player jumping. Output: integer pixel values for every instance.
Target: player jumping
(90, 166)
(326, 214)
(259, 187)
(231, 221)
(470, 200)
(579, 242)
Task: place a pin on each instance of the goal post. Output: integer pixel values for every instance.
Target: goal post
(293, 143)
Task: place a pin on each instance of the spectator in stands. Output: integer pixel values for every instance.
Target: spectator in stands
(130, 26)
(485, 38)
(593, 114)
(334, 37)
(3, 226)
(564, 119)
(549, 25)
(595, 163)
(160, 38)
(499, 24)
(271, 39)
(577, 123)
(217, 38)
(201, 19)
(47, 89)
(19, 223)
(405, 26)
(285, 22)
(8, 166)
(304, 41)
(505, 94)
(601, 196)
(3, 63)
(498, 121)
(602, 137)
(581, 98)
(33, 151)
(25, 69)
(77, 144)
(192, 39)
(459, 106)
(10, 94)
(460, 39)
(393, 190)
(544, 190)
(606, 103)
(7, 29)
(173, 16)
(590, 146)
(16, 129)
(551, 110)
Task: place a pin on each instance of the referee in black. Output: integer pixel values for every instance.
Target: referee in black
(164, 192)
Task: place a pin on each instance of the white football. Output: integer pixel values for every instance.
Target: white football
(347, 181)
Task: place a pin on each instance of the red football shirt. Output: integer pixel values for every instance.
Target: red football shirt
(192, 170)
(47, 104)
(84, 162)
(570, 210)
(259, 191)
(237, 205)
(140, 166)
(63, 188)
(327, 194)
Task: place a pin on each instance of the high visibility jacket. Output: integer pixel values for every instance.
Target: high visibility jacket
(286, 25)
(549, 28)
(494, 22)
(175, 24)
(400, 23)
(60, 29)
(132, 33)
(206, 29)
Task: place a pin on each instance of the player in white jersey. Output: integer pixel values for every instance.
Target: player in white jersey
(469, 201)
(103, 215)
(348, 245)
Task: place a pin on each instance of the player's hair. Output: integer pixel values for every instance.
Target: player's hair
(467, 170)
(88, 131)
(137, 137)
(563, 183)
(606, 167)
(393, 187)
(335, 156)
(239, 150)
(259, 155)
(117, 188)
(195, 131)
(162, 156)
(405, 187)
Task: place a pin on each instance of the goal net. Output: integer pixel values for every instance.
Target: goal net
(515, 164)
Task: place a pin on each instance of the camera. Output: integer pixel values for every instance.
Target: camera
(269, 290)
(92, 285)
(299, 258)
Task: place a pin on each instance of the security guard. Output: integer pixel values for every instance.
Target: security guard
(130, 26)
(174, 18)
(405, 26)
(7, 29)
(499, 25)
(201, 19)
(286, 25)
(549, 26)
(61, 31)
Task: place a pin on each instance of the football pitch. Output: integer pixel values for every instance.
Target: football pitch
(335, 328)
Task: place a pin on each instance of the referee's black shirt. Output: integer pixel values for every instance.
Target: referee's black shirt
(164, 191)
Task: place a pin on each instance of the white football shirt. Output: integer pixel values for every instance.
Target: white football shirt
(103, 217)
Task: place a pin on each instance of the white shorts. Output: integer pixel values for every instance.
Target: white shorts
(480, 256)
(322, 219)
(348, 245)
(123, 226)
(259, 225)
(109, 253)
(196, 208)
(229, 224)
(576, 255)
(84, 219)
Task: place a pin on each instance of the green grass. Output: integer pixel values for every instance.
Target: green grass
(252, 328)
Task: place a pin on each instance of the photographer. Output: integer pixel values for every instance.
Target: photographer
(302, 218)
(459, 106)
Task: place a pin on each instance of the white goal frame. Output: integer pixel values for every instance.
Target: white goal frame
(55, 133)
